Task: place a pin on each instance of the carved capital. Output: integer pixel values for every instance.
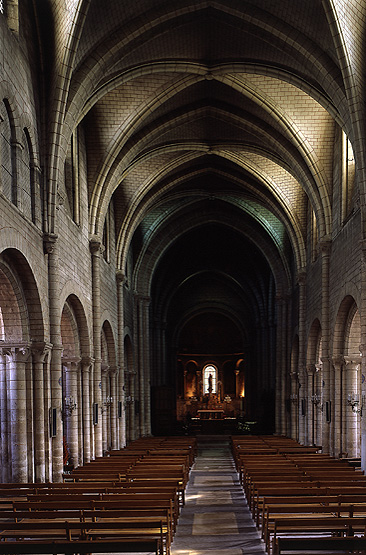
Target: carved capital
(105, 369)
(71, 364)
(113, 370)
(16, 352)
(95, 245)
(325, 244)
(311, 369)
(121, 278)
(86, 364)
(40, 351)
(352, 361)
(49, 242)
(301, 277)
(338, 360)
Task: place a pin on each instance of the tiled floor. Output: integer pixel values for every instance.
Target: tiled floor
(215, 519)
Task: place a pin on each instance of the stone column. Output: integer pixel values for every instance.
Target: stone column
(327, 412)
(146, 364)
(131, 407)
(199, 385)
(96, 248)
(4, 422)
(294, 399)
(121, 283)
(363, 351)
(105, 408)
(310, 416)
(113, 407)
(86, 364)
(40, 353)
(141, 364)
(363, 396)
(16, 359)
(338, 406)
(302, 376)
(139, 382)
(237, 383)
(50, 246)
(352, 392)
(185, 392)
(92, 415)
(332, 393)
(37, 178)
(70, 413)
(319, 405)
(281, 364)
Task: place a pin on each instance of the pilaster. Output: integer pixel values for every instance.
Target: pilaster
(121, 422)
(302, 374)
(86, 365)
(41, 353)
(325, 246)
(71, 367)
(51, 250)
(336, 425)
(96, 249)
(16, 357)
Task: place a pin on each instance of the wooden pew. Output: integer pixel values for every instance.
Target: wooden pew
(273, 515)
(294, 546)
(343, 526)
(151, 500)
(102, 488)
(269, 504)
(266, 489)
(75, 531)
(53, 547)
(47, 517)
(104, 505)
(80, 476)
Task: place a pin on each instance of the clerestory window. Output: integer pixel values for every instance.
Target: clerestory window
(348, 177)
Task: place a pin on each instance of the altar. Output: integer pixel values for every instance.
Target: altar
(211, 389)
(211, 414)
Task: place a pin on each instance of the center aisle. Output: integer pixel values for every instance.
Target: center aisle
(215, 519)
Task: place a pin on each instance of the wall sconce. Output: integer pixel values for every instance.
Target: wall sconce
(353, 401)
(316, 400)
(293, 398)
(107, 403)
(69, 406)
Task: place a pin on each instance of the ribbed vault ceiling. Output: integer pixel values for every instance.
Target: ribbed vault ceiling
(204, 115)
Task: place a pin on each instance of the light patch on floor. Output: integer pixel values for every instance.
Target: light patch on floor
(215, 498)
(212, 552)
(214, 524)
(212, 480)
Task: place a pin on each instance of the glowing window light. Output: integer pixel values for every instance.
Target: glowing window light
(208, 382)
(2, 327)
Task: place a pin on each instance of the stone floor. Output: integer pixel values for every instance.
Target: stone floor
(215, 519)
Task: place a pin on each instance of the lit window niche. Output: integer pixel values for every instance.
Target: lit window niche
(1, 6)
(209, 379)
(2, 327)
(348, 176)
(314, 236)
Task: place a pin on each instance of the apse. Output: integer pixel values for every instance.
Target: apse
(212, 305)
